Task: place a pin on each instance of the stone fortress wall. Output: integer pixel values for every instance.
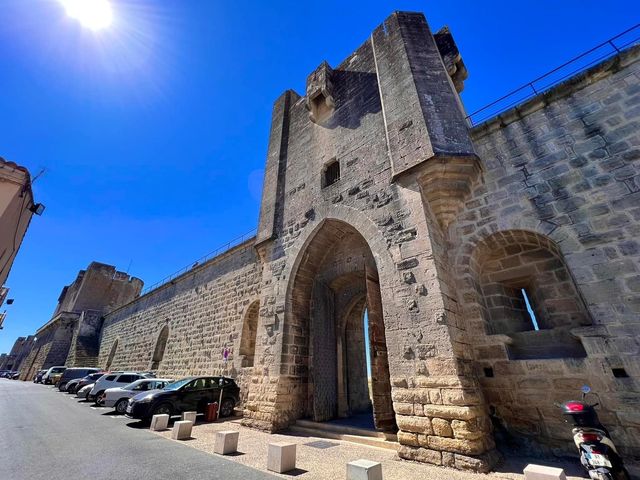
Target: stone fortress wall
(183, 327)
(21, 348)
(379, 197)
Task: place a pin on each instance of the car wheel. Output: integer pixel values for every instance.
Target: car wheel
(121, 406)
(227, 407)
(98, 397)
(86, 395)
(163, 409)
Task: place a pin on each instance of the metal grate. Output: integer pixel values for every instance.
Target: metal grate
(321, 444)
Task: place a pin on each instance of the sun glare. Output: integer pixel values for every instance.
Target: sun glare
(93, 14)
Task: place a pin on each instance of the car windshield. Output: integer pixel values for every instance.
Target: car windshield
(133, 385)
(178, 384)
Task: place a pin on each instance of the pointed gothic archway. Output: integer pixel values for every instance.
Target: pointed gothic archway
(161, 345)
(324, 349)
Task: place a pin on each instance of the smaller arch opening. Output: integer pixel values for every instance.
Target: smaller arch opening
(112, 354)
(528, 294)
(249, 334)
(161, 345)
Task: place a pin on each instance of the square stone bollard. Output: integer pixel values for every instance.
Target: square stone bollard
(540, 472)
(364, 470)
(181, 430)
(226, 442)
(281, 457)
(159, 422)
(189, 417)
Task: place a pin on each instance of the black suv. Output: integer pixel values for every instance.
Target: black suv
(186, 395)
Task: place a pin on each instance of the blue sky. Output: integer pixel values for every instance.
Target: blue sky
(153, 133)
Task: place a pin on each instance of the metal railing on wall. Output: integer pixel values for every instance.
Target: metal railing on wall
(600, 52)
(218, 251)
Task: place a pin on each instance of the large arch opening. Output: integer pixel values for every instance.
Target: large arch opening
(324, 349)
(522, 310)
(112, 354)
(161, 345)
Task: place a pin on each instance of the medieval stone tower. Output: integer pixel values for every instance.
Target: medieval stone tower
(498, 265)
(72, 336)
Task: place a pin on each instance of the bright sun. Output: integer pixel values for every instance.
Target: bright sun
(93, 14)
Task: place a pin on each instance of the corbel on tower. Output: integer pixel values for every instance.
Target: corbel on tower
(319, 99)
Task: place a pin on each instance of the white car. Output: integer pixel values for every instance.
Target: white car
(115, 379)
(119, 396)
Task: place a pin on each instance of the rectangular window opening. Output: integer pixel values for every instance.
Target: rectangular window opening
(331, 173)
(532, 315)
(488, 372)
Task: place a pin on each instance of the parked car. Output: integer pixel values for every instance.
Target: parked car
(73, 373)
(46, 378)
(15, 376)
(116, 379)
(85, 391)
(55, 378)
(118, 397)
(188, 394)
(38, 376)
(74, 385)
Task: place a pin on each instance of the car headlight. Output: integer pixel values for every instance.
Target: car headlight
(148, 398)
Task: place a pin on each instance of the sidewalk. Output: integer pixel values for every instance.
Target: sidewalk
(330, 460)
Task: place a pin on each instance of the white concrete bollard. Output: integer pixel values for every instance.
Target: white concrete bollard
(189, 417)
(159, 422)
(181, 430)
(281, 457)
(540, 472)
(364, 470)
(226, 442)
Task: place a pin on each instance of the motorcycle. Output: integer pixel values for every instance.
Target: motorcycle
(598, 454)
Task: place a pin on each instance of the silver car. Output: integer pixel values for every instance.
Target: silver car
(119, 396)
(85, 391)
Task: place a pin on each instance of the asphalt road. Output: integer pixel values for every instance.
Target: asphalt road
(48, 435)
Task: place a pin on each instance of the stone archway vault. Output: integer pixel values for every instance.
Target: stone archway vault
(337, 268)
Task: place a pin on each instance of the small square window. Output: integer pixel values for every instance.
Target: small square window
(488, 372)
(331, 173)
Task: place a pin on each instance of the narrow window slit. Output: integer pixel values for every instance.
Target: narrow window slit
(532, 315)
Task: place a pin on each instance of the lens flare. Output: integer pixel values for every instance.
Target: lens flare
(92, 14)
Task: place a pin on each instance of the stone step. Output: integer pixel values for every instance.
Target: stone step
(362, 440)
(346, 429)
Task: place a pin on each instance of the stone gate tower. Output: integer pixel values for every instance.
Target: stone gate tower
(363, 176)
(498, 265)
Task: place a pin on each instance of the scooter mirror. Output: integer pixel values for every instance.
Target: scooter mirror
(585, 389)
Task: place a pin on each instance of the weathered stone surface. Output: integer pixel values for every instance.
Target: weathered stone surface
(420, 454)
(441, 427)
(414, 424)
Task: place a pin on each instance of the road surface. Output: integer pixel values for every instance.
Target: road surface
(48, 435)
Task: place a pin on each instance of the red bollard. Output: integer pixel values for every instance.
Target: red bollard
(212, 412)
